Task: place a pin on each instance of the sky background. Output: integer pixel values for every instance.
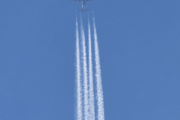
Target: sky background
(139, 44)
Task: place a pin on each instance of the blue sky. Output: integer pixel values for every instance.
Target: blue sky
(140, 52)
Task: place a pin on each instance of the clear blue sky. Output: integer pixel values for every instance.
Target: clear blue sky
(140, 56)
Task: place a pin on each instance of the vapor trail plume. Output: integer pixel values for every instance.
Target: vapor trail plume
(78, 77)
(100, 101)
(91, 88)
(86, 108)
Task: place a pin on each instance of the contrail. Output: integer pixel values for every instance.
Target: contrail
(84, 75)
(100, 101)
(91, 88)
(86, 108)
(78, 77)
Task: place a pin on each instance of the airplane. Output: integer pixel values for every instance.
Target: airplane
(83, 3)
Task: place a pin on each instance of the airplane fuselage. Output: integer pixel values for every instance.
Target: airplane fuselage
(83, 4)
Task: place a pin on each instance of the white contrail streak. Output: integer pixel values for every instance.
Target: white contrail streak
(91, 88)
(78, 77)
(86, 108)
(100, 101)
